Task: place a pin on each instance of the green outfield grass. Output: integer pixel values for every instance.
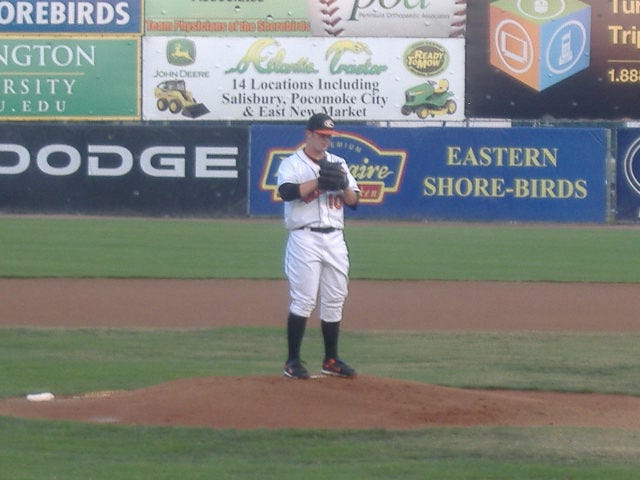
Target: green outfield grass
(71, 361)
(86, 360)
(81, 247)
(58, 450)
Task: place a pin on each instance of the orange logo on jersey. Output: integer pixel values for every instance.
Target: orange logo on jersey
(377, 171)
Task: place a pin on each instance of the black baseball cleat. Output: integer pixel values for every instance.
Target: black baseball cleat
(295, 369)
(337, 368)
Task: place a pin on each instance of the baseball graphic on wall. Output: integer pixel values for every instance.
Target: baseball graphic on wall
(387, 18)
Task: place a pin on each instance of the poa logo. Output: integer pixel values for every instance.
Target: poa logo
(181, 52)
(377, 171)
(632, 167)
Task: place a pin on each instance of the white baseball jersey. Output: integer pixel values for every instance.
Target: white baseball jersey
(321, 209)
(316, 263)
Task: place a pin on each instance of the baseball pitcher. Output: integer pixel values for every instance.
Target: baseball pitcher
(316, 186)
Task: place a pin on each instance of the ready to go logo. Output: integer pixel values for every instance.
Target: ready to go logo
(377, 171)
(181, 52)
(426, 59)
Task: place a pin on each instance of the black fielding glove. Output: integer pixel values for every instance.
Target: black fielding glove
(332, 176)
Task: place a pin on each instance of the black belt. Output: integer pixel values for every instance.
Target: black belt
(319, 229)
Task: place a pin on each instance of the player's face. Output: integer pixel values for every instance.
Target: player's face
(317, 143)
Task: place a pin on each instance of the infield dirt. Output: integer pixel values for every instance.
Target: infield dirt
(365, 402)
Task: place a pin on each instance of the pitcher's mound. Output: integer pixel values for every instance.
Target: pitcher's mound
(361, 403)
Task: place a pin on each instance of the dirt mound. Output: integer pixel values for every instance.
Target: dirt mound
(361, 403)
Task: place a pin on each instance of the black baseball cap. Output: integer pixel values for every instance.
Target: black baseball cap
(321, 123)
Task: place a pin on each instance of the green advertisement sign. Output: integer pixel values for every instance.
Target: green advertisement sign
(226, 18)
(69, 78)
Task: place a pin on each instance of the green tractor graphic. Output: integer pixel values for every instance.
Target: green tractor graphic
(430, 98)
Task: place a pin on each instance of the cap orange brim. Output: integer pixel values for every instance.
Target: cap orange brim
(326, 132)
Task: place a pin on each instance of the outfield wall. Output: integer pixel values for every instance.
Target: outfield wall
(457, 174)
(124, 170)
(517, 174)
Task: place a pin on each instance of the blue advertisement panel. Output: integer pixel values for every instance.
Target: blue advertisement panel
(124, 170)
(628, 175)
(71, 16)
(460, 174)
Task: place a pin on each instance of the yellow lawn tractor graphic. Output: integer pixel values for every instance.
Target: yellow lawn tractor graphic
(430, 98)
(174, 96)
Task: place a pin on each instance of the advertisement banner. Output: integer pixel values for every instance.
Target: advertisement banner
(69, 78)
(71, 16)
(124, 170)
(335, 18)
(225, 18)
(384, 18)
(628, 175)
(453, 174)
(564, 59)
(269, 79)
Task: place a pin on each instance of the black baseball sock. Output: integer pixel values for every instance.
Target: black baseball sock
(295, 331)
(330, 331)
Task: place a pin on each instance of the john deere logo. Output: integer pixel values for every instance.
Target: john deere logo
(426, 59)
(181, 52)
(377, 171)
